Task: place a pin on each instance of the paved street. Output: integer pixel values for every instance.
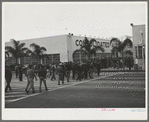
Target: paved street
(111, 90)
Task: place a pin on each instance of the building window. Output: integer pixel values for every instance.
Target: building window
(140, 52)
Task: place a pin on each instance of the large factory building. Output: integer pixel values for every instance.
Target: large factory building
(61, 48)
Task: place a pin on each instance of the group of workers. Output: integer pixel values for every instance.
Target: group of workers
(79, 71)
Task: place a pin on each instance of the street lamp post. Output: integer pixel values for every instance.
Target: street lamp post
(80, 56)
(143, 50)
(68, 55)
(143, 58)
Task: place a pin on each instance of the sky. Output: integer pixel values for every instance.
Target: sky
(22, 21)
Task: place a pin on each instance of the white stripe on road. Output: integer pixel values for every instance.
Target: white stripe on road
(14, 96)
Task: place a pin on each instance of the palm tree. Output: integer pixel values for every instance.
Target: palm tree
(121, 46)
(89, 48)
(18, 49)
(115, 48)
(38, 51)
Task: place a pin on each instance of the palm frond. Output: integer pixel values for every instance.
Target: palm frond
(86, 47)
(21, 45)
(15, 43)
(6, 54)
(99, 48)
(10, 50)
(86, 41)
(24, 49)
(114, 39)
(93, 51)
(127, 41)
(43, 49)
(34, 45)
(92, 41)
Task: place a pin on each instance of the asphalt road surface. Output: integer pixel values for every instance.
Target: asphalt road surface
(110, 90)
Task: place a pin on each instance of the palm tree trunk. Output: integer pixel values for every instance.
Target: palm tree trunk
(89, 57)
(80, 55)
(123, 61)
(16, 60)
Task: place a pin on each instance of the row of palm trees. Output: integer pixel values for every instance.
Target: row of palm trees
(89, 48)
(19, 50)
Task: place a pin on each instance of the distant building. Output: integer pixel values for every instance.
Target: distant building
(138, 32)
(61, 48)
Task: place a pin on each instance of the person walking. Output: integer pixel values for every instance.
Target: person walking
(53, 72)
(60, 72)
(85, 70)
(42, 76)
(68, 68)
(27, 85)
(20, 72)
(78, 72)
(16, 70)
(91, 70)
(8, 77)
(30, 77)
(48, 71)
(73, 70)
(98, 68)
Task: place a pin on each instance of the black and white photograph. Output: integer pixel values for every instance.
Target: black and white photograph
(74, 60)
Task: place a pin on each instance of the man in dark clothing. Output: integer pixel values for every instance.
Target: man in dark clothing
(68, 68)
(8, 77)
(16, 70)
(98, 68)
(53, 72)
(42, 75)
(91, 70)
(73, 70)
(84, 70)
(20, 72)
(64, 71)
(79, 71)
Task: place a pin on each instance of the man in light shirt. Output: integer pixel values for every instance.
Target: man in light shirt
(30, 77)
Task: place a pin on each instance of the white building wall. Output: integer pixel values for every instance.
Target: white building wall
(55, 44)
(64, 45)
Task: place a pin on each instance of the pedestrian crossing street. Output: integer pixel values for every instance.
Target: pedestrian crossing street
(106, 80)
(18, 88)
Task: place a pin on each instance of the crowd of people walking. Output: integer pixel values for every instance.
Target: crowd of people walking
(78, 71)
(63, 70)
